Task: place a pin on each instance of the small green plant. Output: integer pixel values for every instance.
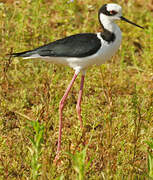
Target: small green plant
(36, 148)
(60, 178)
(79, 164)
(150, 159)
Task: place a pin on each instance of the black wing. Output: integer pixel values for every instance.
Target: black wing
(79, 45)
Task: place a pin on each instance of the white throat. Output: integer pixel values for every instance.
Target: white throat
(108, 23)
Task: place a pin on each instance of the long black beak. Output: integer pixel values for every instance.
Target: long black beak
(124, 19)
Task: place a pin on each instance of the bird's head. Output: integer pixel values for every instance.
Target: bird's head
(111, 12)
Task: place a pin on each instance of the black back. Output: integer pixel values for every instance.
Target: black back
(79, 45)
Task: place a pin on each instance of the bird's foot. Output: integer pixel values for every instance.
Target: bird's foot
(56, 158)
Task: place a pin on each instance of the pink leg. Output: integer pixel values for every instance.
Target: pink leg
(78, 106)
(61, 106)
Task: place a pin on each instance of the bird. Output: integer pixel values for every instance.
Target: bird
(80, 51)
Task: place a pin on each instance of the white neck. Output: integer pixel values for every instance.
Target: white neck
(108, 23)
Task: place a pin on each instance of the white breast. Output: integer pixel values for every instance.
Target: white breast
(105, 53)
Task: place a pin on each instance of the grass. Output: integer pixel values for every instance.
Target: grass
(35, 150)
(117, 107)
(150, 158)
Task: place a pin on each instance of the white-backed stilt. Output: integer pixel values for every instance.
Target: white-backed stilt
(80, 51)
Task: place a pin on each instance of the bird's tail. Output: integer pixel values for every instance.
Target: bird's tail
(24, 54)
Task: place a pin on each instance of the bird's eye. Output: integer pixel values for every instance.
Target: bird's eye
(112, 12)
